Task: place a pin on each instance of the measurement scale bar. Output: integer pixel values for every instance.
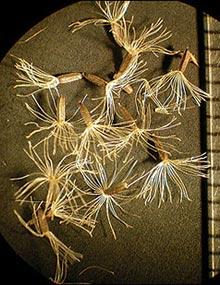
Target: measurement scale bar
(212, 60)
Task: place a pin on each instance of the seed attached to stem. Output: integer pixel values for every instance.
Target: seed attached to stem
(36, 79)
(176, 87)
(109, 192)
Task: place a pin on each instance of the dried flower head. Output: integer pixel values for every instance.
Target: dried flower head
(147, 41)
(108, 191)
(165, 177)
(34, 78)
(95, 136)
(112, 11)
(54, 177)
(177, 86)
(140, 133)
(56, 125)
(113, 89)
(64, 254)
(37, 80)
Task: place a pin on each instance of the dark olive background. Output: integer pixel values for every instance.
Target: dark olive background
(18, 20)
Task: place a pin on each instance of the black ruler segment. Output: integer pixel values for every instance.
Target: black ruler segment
(212, 59)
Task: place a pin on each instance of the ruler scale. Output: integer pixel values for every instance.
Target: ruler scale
(212, 61)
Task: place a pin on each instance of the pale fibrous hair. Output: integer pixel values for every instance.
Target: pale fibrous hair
(165, 178)
(145, 93)
(114, 88)
(96, 136)
(64, 205)
(176, 89)
(141, 133)
(54, 177)
(148, 40)
(34, 78)
(112, 12)
(64, 254)
(108, 192)
(55, 124)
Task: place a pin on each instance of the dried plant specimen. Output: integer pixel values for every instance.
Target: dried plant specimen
(114, 87)
(36, 79)
(95, 136)
(64, 254)
(112, 12)
(108, 191)
(130, 76)
(178, 87)
(54, 177)
(141, 133)
(64, 208)
(147, 40)
(60, 129)
(106, 136)
(162, 178)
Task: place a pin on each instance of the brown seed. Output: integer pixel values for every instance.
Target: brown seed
(85, 114)
(61, 109)
(160, 149)
(126, 115)
(69, 77)
(187, 57)
(42, 221)
(117, 188)
(95, 79)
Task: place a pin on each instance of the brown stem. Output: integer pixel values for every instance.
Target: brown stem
(117, 188)
(42, 221)
(161, 151)
(85, 114)
(61, 109)
(187, 57)
(117, 34)
(126, 115)
(69, 77)
(95, 79)
(124, 65)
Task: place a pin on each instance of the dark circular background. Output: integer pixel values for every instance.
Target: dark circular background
(17, 17)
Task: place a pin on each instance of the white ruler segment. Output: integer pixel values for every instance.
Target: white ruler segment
(212, 54)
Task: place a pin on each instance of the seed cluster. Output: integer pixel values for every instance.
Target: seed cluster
(70, 154)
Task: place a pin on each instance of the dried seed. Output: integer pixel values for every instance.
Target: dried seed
(69, 77)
